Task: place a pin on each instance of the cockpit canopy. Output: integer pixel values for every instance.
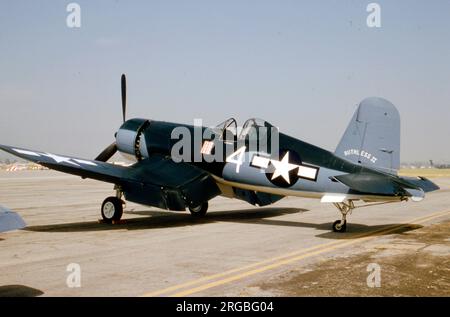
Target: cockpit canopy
(247, 129)
(226, 130)
(254, 130)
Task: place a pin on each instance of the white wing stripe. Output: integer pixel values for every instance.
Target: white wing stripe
(26, 152)
(85, 162)
(56, 158)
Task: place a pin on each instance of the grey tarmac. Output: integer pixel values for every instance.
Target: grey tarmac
(237, 250)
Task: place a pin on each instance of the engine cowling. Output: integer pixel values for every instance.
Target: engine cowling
(139, 138)
(130, 138)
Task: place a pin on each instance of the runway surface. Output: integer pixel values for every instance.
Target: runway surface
(286, 249)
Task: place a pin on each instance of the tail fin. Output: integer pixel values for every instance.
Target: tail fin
(373, 136)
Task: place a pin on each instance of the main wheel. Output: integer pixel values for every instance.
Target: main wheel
(337, 227)
(200, 210)
(112, 209)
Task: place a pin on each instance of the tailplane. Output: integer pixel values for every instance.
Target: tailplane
(373, 136)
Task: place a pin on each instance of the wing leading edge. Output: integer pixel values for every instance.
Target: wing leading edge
(156, 181)
(101, 171)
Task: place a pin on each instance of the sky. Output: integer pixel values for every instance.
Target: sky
(302, 65)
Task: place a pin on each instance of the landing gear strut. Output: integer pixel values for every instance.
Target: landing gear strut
(112, 207)
(344, 208)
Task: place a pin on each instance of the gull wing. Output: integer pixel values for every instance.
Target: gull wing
(157, 181)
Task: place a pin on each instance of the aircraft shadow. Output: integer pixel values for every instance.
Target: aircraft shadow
(19, 291)
(165, 219)
(355, 230)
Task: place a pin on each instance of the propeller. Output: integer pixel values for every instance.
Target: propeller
(123, 87)
(107, 153)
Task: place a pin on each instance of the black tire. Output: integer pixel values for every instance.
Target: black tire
(199, 211)
(338, 228)
(112, 209)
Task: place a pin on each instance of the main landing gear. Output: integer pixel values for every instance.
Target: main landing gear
(344, 208)
(200, 210)
(112, 207)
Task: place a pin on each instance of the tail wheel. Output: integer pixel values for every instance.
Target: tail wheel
(112, 209)
(338, 227)
(200, 210)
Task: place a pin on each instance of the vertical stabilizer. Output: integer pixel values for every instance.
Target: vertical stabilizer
(373, 136)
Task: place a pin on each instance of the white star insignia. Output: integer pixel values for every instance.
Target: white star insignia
(59, 159)
(56, 158)
(282, 168)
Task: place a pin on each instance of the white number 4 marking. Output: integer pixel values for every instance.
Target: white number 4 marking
(237, 158)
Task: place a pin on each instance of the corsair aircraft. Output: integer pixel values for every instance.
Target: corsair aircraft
(363, 167)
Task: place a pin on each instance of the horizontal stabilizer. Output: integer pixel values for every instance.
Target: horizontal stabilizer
(424, 183)
(385, 184)
(370, 183)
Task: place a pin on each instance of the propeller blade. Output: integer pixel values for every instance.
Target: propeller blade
(123, 85)
(107, 153)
